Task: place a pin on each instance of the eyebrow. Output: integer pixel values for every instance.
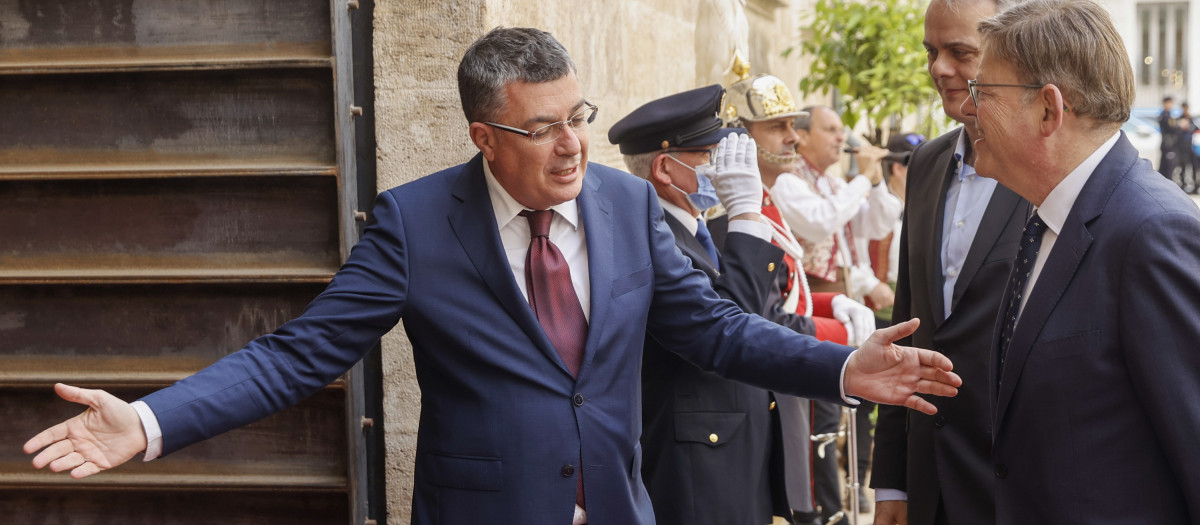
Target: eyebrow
(544, 119)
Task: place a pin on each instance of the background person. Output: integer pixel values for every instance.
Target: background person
(959, 237)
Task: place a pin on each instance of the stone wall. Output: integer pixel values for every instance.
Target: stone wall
(628, 52)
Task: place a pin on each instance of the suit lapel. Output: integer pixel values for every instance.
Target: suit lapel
(1060, 268)
(946, 166)
(999, 212)
(690, 246)
(474, 223)
(595, 214)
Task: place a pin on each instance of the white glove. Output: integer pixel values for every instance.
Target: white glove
(735, 175)
(858, 319)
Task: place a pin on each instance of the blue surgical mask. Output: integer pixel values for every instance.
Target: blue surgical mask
(705, 195)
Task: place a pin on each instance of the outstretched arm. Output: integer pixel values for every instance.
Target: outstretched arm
(104, 436)
(884, 372)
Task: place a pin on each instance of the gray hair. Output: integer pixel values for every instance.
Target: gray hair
(1071, 44)
(641, 163)
(504, 55)
(804, 122)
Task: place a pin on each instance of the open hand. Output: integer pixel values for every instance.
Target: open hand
(884, 372)
(104, 436)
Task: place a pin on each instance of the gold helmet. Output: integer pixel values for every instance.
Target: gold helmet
(758, 98)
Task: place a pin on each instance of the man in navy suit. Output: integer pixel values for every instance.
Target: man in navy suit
(1096, 376)
(527, 289)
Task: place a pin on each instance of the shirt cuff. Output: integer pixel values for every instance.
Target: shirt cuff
(847, 400)
(757, 229)
(890, 495)
(150, 426)
(859, 185)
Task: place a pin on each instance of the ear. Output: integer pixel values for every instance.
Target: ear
(1054, 110)
(658, 169)
(484, 139)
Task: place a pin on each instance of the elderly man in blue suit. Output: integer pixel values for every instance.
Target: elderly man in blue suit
(527, 289)
(1096, 372)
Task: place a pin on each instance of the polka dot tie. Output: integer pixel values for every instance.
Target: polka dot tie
(1031, 241)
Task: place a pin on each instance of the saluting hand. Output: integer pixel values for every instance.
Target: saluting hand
(884, 372)
(104, 436)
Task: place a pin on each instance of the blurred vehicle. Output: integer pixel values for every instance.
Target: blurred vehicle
(1146, 138)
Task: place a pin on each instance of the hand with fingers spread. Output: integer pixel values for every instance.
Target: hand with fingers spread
(104, 436)
(884, 372)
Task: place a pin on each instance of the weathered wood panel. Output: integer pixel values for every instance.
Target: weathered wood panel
(98, 228)
(185, 119)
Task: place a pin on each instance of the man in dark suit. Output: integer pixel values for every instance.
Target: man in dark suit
(712, 448)
(958, 239)
(1096, 377)
(527, 290)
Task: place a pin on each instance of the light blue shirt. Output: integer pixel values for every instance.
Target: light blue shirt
(966, 200)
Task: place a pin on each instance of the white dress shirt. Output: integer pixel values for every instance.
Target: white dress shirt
(1057, 206)
(759, 230)
(966, 200)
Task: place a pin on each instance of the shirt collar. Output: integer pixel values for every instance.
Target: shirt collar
(960, 152)
(681, 215)
(1058, 203)
(507, 208)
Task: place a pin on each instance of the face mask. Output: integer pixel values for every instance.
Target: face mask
(705, 196)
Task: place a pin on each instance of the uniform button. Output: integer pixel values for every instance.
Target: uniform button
(770, 267)
(578, 400)
(712, 438)
(568, 471)
(771, 406)
(1001, 471)
(939, 421)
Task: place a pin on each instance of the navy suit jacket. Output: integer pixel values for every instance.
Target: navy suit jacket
(946, 457)
(501, 417)
(1096, 416)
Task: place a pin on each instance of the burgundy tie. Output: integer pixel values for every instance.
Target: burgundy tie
(551, 294)
(553, 299)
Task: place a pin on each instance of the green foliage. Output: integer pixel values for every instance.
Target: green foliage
(870, 51)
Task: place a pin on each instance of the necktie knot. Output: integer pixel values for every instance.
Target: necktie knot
(539, 222)
(1035, 227)
(705, 238)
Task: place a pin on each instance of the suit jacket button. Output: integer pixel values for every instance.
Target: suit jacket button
(1001, 471)
(712, 438)
(939, 421)
(578, 400)
(770, 267)
(568, 471)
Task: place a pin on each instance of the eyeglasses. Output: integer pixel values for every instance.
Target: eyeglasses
(552, 131)
(974, 85)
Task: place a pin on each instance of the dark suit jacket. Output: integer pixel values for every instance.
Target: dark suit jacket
(706, 440)
(1096, 417)
(946, 456)
(792, 457)
(501, 417)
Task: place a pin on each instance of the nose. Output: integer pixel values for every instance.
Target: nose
(791, 137)
(939, 66)
(568, 143)
(968, 107)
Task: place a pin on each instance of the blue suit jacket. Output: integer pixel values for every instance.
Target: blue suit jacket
(1096, 417)
(501, 417)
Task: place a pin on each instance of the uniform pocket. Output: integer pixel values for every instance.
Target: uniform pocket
(710, 428)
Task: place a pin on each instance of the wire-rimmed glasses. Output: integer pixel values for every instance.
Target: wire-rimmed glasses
(553, 130)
